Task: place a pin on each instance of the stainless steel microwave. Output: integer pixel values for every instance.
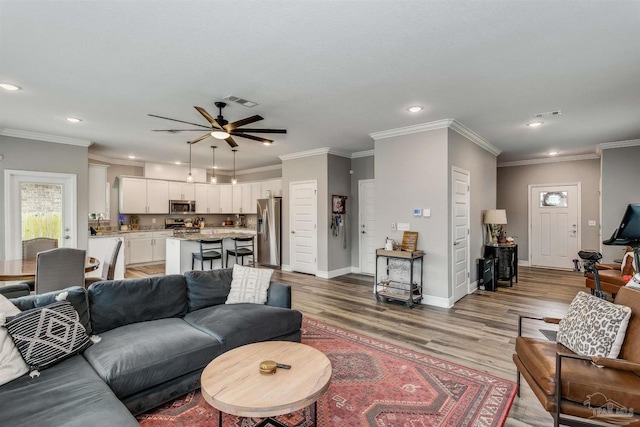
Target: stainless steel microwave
(179, 207)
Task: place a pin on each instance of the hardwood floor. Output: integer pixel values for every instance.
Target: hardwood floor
(478, 332)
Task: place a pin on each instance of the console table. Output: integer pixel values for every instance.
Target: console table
(507, 265)
(399, 288)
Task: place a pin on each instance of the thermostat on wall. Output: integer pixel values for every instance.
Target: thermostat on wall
(417, 212)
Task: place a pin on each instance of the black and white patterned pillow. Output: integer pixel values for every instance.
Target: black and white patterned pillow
(47, 335)
(594, 327)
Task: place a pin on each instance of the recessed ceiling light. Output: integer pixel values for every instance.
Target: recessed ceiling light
(552, 153)
(131, 156)
(415, 109)
(266, 143)
(73, 120)
(534, 124)
(178, 163)
(9, 86)
(215, 167)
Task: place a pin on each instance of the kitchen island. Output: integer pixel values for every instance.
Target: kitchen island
(179, 249)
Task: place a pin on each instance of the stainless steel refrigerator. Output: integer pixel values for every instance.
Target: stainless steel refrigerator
(269, 231)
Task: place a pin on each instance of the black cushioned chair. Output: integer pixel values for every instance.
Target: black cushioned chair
(210, 249)
(242, 247)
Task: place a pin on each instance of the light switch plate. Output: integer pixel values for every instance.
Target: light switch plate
(393, 226)
(404, 226)
(592, 223)
(426, 213)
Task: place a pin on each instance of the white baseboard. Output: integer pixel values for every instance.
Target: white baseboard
(355, 270)
(437, 301)
(524, 263)
(333, 273)
(472, 287)
(286, 267)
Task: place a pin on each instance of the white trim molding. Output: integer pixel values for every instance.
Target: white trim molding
(439, 124)
(112, 161)
(259, 169)
(367, 153)
(620, 144)
(437, 301)
(575, 158)
(302, 154)
(45, 137)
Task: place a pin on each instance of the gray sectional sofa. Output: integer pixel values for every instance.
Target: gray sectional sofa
(157, 335)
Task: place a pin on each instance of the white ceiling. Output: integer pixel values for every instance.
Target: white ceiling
(330, 72)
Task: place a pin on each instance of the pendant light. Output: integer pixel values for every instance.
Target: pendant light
(234, 181)
(214, 180)
(189, 177)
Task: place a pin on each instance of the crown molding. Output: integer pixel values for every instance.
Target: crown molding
(259, 169)
(112, 161)
(439, 124)
(340, 152)
(619, 144)
(475, 138)
(45, 137)
(359, 154)
(408, 130)
(549, 160)
(302, 154)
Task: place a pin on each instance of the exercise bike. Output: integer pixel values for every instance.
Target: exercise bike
(590, 260)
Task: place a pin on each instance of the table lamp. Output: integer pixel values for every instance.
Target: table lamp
(495, 220)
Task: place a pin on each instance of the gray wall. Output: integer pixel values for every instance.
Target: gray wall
(259, 176)
(30, 155)
(513, 195)
(363, 168)
(412, 172)
(312, 168)
(339, 256)
(620, 186)
(481, 165)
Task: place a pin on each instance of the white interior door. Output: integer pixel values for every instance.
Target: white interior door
(367, 241)
(554, 212)
(39, 204)
(460, 229)
(303, 226)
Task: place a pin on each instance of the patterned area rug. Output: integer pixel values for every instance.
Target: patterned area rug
(374, 383)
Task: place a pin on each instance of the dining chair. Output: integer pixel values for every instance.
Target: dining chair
(58, 269)
(108, 267)
(208, 252)
(31, 247)
(242, 247)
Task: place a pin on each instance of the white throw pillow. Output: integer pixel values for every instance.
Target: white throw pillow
(594, 327)
(12, 364)
(249, 285)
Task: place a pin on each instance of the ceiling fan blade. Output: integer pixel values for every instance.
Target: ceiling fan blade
(208, 116)
(181, 121)
(200, 138)
(248, 120)
(255, 138)
(261, 130)
(231, 142)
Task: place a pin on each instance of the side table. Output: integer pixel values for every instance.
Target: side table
(507, 257)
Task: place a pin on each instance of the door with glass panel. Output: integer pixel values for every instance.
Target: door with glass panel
(555, 225)
(39, 205)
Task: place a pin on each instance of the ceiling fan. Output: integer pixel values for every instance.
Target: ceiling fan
(222, 129)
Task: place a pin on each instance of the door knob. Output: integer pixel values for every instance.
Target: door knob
(67, 237)
(456, 243)
(364, 232)
(293, 232)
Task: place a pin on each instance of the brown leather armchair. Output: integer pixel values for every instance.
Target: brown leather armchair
(569, 385)
(611, 275)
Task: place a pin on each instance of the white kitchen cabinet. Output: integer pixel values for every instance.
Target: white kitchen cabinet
(140, 196)
(226, 199)
(181, 191)
(140, 247)
(146, 246)
(271, 187)
(250, 193)
(160, 244)
(207, 198)
(99, 190)
(236, 198)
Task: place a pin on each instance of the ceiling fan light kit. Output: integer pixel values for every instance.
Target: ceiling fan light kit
(220, 128)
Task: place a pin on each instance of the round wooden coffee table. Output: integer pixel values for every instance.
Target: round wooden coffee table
(232, 382)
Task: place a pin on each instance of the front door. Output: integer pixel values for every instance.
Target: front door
(39, 204)
(555, 218)
(303, 226)
(460, 225)
(367, 242)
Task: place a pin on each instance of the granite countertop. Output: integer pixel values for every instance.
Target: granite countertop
(198, 236)
(108, 233)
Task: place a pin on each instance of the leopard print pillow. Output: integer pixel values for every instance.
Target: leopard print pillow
(594, 327)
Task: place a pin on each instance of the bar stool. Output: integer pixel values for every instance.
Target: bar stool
(241, 249)
(208, 252)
